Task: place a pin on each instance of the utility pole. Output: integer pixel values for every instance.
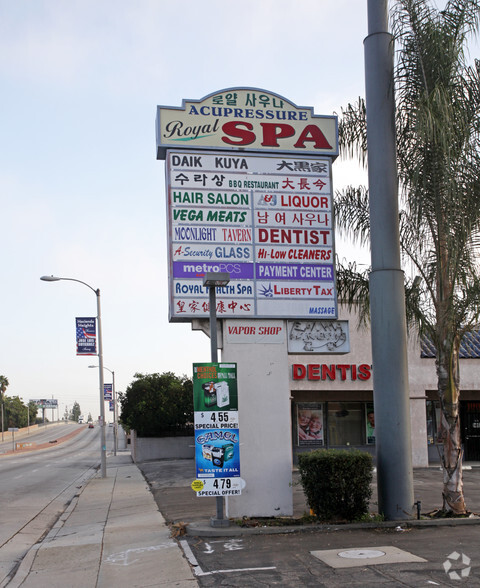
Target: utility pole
(387, 294)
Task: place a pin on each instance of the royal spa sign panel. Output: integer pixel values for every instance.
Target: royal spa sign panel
(264, 218)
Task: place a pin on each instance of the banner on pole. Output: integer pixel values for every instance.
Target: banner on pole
(107, 391)
(86, 336)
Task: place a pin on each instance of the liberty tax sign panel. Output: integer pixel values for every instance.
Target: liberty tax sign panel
(264, 219)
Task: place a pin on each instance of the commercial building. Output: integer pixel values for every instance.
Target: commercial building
(337, 391)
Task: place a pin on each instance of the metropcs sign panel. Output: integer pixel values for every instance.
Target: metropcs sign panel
(248, 119)
(264, 218)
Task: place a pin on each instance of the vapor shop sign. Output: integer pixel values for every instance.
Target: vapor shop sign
(217, 443)
(263, 213)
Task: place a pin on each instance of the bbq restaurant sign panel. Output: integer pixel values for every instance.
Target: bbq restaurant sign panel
(265, 218)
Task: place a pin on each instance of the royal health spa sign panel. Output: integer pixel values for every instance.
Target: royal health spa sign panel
(265, 218)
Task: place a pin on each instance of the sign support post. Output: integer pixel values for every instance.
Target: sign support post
(211, 281)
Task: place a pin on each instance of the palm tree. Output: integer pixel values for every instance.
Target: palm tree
(438, 130)
(3, 387)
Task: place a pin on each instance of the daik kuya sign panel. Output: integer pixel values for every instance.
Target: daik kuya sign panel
(264, 219)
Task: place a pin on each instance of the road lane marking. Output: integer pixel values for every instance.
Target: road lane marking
(197, 570)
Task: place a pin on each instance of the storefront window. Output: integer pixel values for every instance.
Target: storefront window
(310, 424)
(370, 423)
(346, 423)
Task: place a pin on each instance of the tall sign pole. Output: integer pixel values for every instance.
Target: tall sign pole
(387, 297)
(249, 194)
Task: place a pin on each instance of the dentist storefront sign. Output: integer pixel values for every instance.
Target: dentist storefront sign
(265, 219)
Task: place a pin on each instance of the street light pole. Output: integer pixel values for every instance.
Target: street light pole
(103, 449)
(115, 431)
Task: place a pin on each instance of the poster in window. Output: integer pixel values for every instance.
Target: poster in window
(370, 423)
(309, 424)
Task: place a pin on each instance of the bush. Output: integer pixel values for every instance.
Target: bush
(336, 482)
(156, 404)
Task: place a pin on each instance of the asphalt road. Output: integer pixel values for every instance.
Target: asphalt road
(287, 559)
(37, 486)
(42, 434)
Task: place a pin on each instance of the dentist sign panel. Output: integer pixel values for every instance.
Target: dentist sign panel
(249, 192)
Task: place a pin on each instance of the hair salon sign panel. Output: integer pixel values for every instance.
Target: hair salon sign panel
(264, 218)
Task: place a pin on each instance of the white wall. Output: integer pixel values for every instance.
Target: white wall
(265, 428)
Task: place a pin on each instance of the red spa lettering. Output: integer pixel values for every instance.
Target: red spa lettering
(270, 134)
(244, 136)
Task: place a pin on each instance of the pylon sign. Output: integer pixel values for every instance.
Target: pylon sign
(249, 192)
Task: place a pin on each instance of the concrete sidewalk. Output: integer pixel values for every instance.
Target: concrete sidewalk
(170, 481)
(112, 534)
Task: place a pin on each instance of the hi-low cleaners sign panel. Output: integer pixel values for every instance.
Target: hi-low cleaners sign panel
(266, 220)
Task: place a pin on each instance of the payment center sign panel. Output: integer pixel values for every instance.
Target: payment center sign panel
(266, 220)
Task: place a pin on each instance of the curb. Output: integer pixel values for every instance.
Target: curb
(205, 530)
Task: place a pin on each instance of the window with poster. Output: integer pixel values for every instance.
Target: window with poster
(370, 423)
(310, 424)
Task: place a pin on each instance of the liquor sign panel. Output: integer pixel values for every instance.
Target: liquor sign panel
(245, 118)
(86, 336)
(264, 219)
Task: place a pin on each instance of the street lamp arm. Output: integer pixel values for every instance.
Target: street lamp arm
(56, 279)
(105, 368)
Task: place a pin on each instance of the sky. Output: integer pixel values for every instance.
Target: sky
(81, 192)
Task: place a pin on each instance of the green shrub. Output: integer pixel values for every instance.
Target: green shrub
(336, 482)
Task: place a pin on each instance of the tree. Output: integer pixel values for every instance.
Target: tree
(438, 129)
(3, 387)
(18, 414)
(75, 412)
(153, 403)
